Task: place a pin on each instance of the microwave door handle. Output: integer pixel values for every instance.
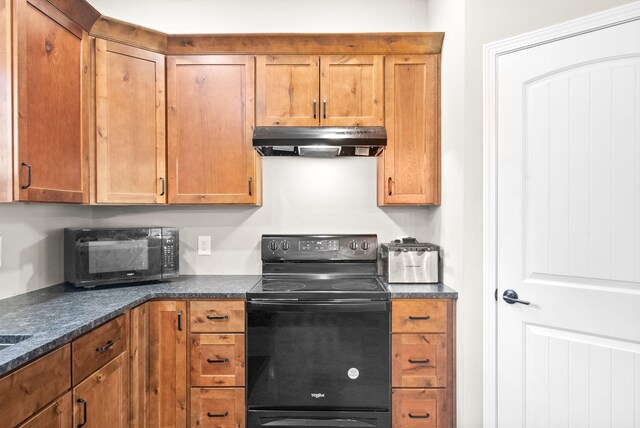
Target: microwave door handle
(338, 423)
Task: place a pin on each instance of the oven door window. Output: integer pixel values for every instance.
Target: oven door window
(318, 355)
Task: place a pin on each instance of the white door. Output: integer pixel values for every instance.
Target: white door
(568, 232)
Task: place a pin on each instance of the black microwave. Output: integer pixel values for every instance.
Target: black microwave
(101, 256)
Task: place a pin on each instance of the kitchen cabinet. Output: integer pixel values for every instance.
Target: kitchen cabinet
(130, 125)
(109, 384)
(211, 116)
(50, 114)
(167, 364)
(328, 90)
(409, 168)
(423, 358)
(139, 366)
(217, 407)
(57, 414)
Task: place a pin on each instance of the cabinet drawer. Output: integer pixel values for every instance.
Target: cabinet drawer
(57, 414)
(419, 360)
(418, 408)
(217, 360)
(98, 347)
(419, 316)
(29, 389)
(217, 316)
(219, 408)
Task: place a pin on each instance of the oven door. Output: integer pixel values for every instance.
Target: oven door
(318, 355)
(118, 255)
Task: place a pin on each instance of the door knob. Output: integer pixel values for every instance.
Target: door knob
(511, 297)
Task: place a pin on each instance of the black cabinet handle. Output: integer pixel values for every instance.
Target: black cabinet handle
(162, 188)
(26, 186)
(179, 320)
(250, 186)
(217, 317)
(425, 361)
(389, 183)
(217, 361)
(425, 318)
(84, 412)
(108, 345)
(218, 415)
(425, 416)
(324, 115)
(314, 109)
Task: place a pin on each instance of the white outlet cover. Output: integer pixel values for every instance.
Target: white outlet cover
(204, 245)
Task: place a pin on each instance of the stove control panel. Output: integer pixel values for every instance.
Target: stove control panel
(319, 247)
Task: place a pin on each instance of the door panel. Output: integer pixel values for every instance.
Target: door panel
(210, 124)
(130, 124)
(287, 90)
(568, 168)
(352, 90)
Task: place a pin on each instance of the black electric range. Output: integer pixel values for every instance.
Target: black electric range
(318, 341)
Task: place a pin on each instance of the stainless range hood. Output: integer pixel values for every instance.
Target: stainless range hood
(319, 141)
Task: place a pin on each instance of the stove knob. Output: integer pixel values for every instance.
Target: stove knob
(364, 245)
(273, 245)
(286, 245)
(353, 245)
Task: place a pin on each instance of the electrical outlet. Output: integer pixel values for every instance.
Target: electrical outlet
(204, 245)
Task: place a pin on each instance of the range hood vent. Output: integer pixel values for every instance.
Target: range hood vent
(319, 141)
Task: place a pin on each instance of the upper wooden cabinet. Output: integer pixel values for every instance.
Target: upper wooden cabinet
(287, 90)
(301, 90)
(50, 105)
(130, 125)
(210, 127)
(409, 169)
(352, 90)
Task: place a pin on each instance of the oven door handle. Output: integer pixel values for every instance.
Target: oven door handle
(318, 306)
(338, 423)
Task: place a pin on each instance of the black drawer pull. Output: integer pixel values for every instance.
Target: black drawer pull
(217, 361)
(218, 415)
(108, 345)
(412, 318)
(425, 361)
(217, 317)
(26, 186)
(425, 416)
(84, 412)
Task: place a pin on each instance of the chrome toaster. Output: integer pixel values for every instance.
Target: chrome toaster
(406, 260)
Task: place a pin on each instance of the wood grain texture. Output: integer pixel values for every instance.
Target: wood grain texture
(50, 57)
(287, 90)
(420, 408)
(210, 103)
(139, 366)
(406, 316)
(419, 361)
(204, 316)
(352, 90)
(217, 360)
(6, 136)
(87, 351)
(129, 34)
(106, 393)
(79, 11)
(217, 407)
(130, 125)
(56, 415)
(29, 389)
(168, 364)
(311, 44)
(409, 173)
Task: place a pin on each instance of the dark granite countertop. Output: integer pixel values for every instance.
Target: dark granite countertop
(43, 320)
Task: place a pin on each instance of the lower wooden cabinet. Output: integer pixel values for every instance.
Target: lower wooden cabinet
(217, 360)
(419, 408)
(102, 400)
(55, 415)
(217, 407)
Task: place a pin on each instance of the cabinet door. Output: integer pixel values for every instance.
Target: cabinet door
(102, 400)
(210, 130)
(352, 90)
(6, 141)
(409, 169)
(56, 415)
(167, 364)
(130, 125)
(139, 366)
(287, 90)
(52, 84)
(420, 408)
